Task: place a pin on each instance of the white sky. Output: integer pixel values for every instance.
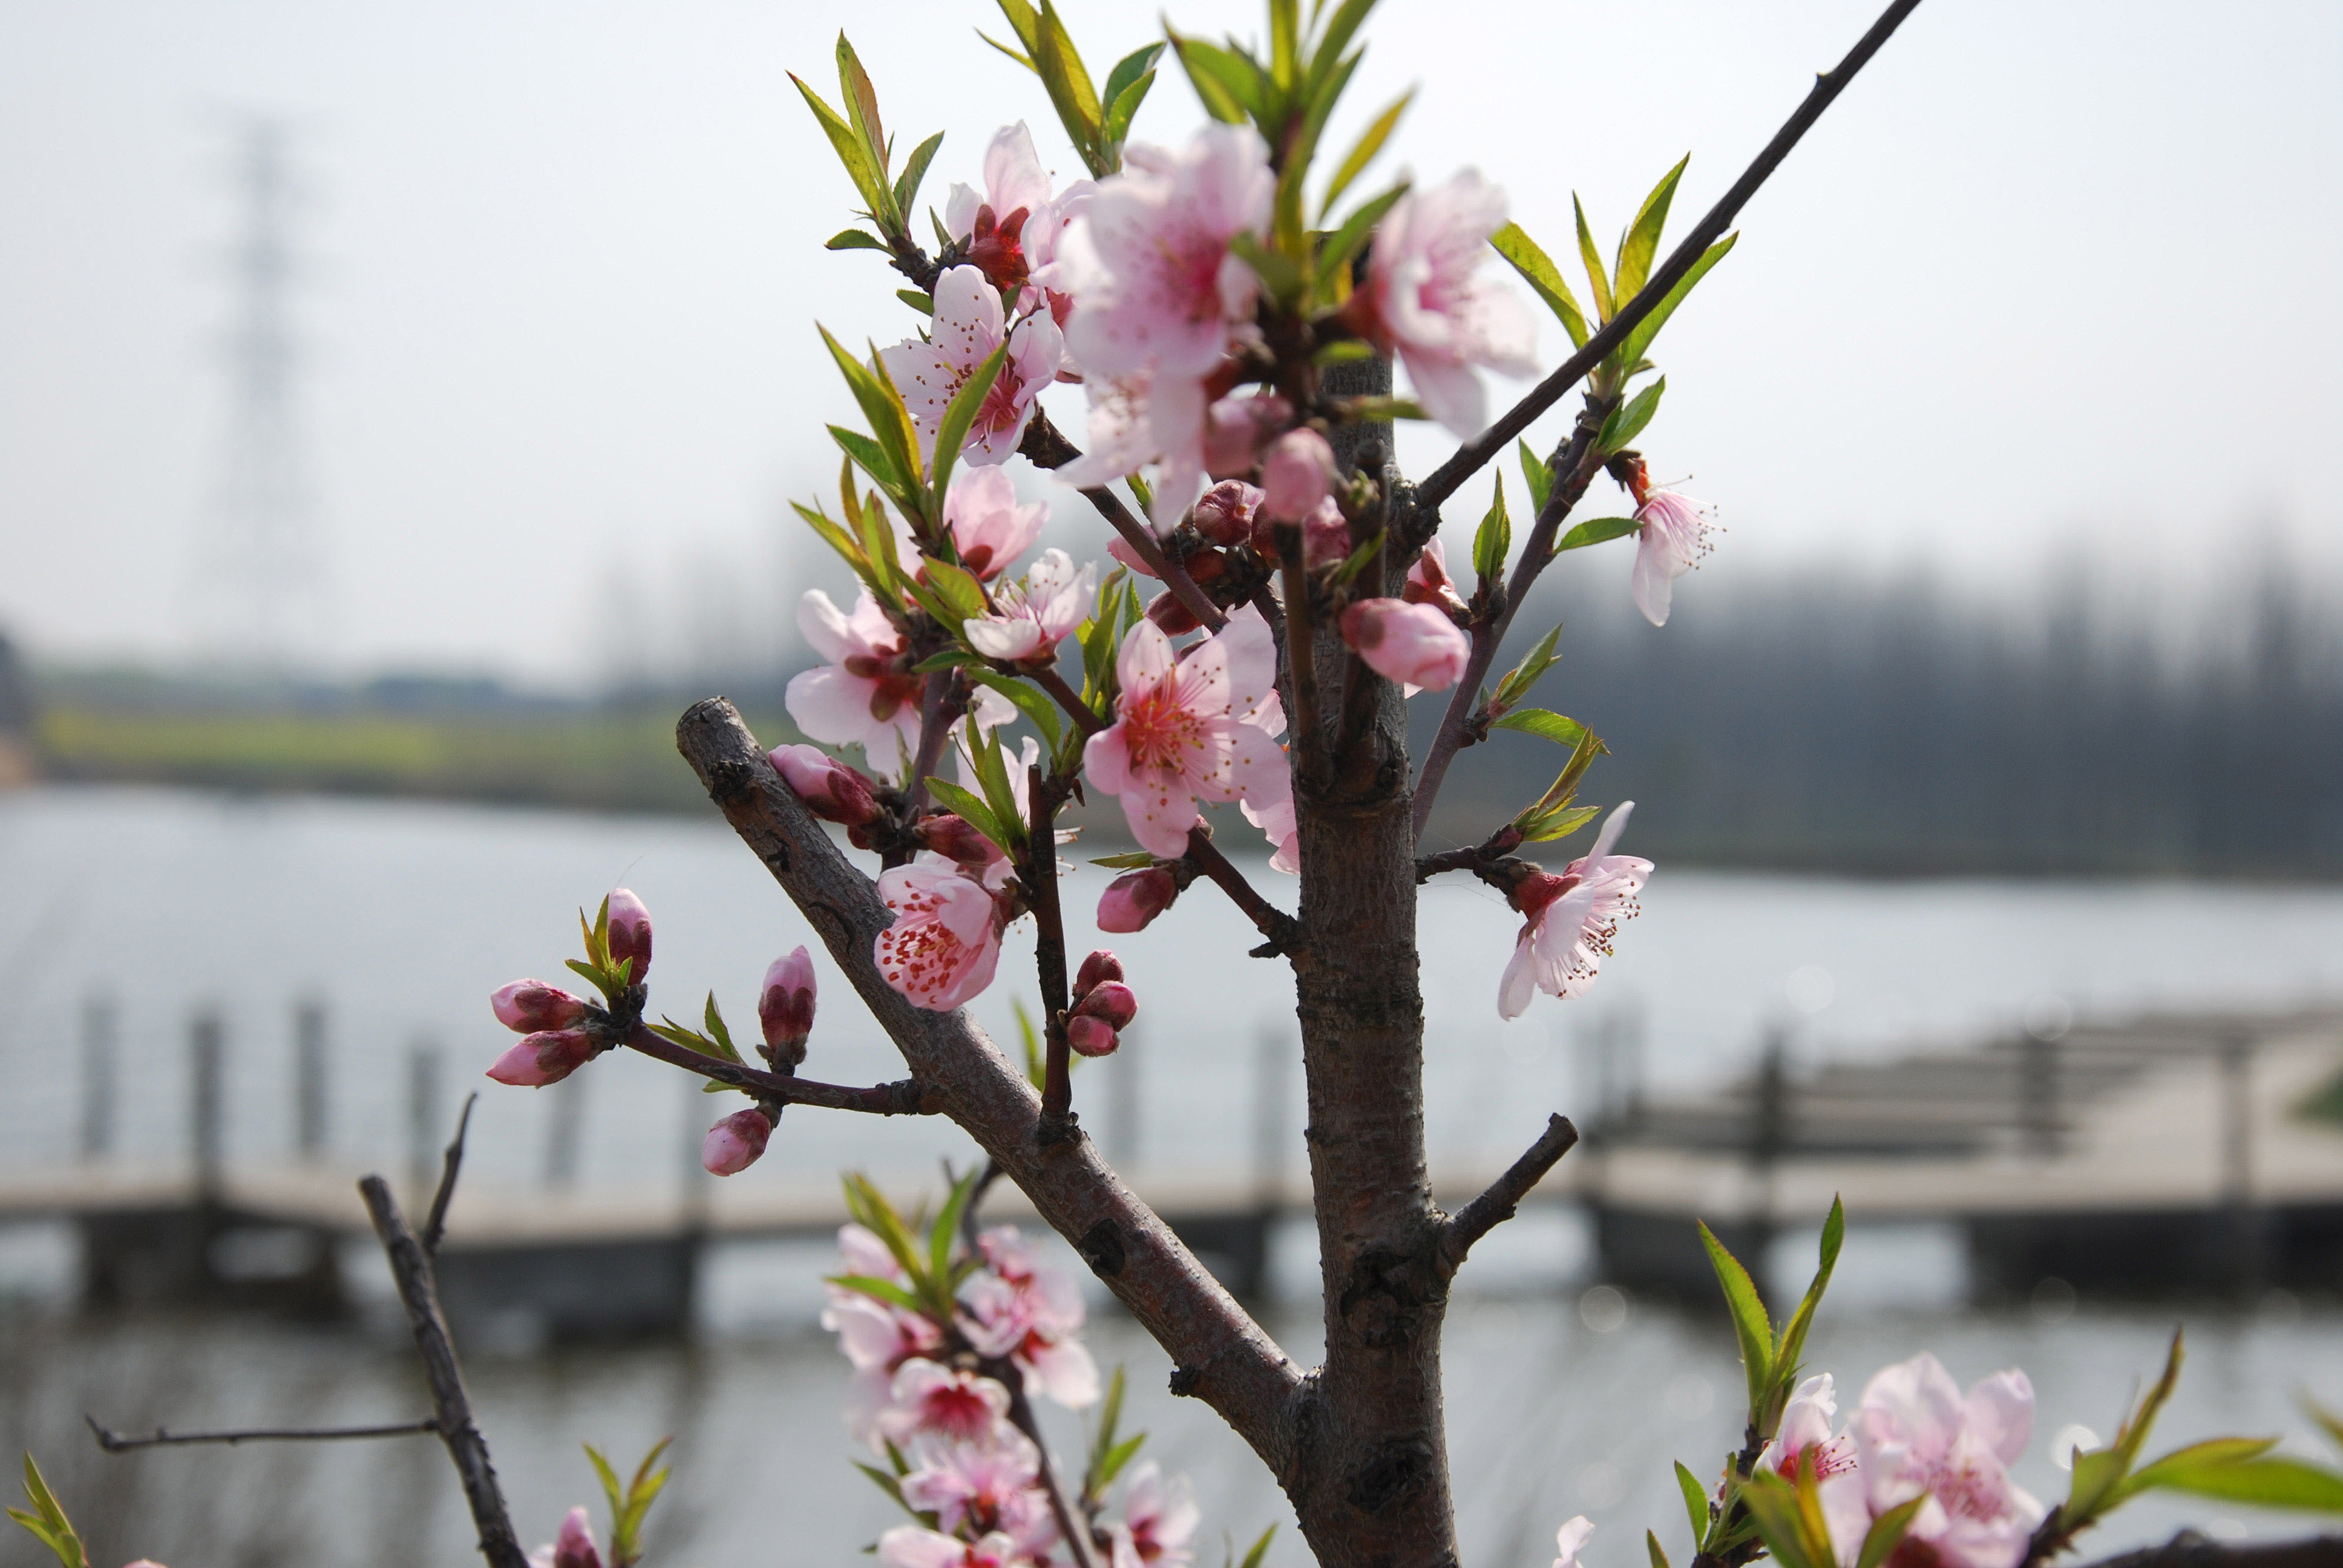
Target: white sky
(2048, 273)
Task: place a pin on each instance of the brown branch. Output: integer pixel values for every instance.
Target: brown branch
(1270, 920)
(1045, 446)
(451, 1161)
(1051, 681)
(1221, 1354)
(418, 1291)
(1039, 872)
(1495, 1206)
(1469, 458)
(117, 1443)
(2190, 1550)
(1072, 1525)
(935, 722)
(904, 1098)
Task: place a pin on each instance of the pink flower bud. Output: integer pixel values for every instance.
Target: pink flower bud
(733, 1144)
(1111, 1000)
(785, 1007)
(1171, 618)
(1428, 581)
(1091, 1036)
(1236, 427)
(574, 1547)
(543, 1059)
(530, 1005)
(630, 933)
(1135, 898)
(1097, 970)
(1295, 475)
(957, 838)
(830, 789)
(1226, 514)
(1415, 644)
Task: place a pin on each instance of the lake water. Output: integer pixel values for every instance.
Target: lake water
(403, 917)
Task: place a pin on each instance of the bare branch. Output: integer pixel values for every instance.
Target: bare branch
(1223, 1355)
(905, 1097)
(1495, 1206)
(117, 1443)
(1039, 872)
(1051, 681)
(419, 1292)
(1470, 458)
(435, 1224)
(1270, 920)
(1045, 446)
(2190, 1550)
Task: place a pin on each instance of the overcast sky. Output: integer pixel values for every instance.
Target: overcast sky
(2048, 275)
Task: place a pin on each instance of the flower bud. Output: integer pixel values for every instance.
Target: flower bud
(1415, 644)
(1097, 970)
(1428, 581)
(1295, 475)
(1235, 429)
(733, 1144)
(830, 789)
(1111, 1001)
(1536, 889)
(527, 1006)
(1225, 516)
(574, 1548)
(545, 1058)
(785, 1007)
(630, 933)
(1135, 898)
(1091, 1036)
(957, 838)
(1170, 617)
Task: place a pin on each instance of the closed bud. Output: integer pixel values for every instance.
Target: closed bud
(1171, 618)
(574, 1548)
(957, 838)
(733, 1144)
(1097, 970)
(785, 1007)
(830, 789)
(530, 1005)
(1225, 516)
(1110, 1001)
(1415, 644)
(548, 1057)
(630, 933)
(1236, 427)
(1091, 1036)
(1135, 898)
(1296, 475)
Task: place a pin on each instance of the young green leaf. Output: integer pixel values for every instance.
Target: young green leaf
(877, 1289)
(861, 101)
(1750, 1325)
(2328, 1421)
(853, 239)
(1652, 1546)
(1069, 84)
(1259, 1550)
(1110, 1418)
(1362, 151)
(1541, 824)
(1024, 21)
(1336, 250)
(1545, 278)
(1120, 107)
(47, 1521)
(1604, 301)
(868, 182)
(959, 415)
(1493, 541)
(1886, 1532)
(1793, 1343)
(1341, 26)
(1537, 476)
(1627, 421)
(1596, 531)
(957, 589)
(1640, 243)
(2273, 1481)
(1111, 1461)
(947, 1226)
(915, 170)
(1136, 861)
(1517, 682)
(1034, 1068)
(1639, 341)
(1538, 722)
(1035, 706)
(1228, 84)
(992, 773)
(1695, 1500)
(1278, 273)
(887, 1484)
(1789, 1517)
(1140, 62)
(969, 808)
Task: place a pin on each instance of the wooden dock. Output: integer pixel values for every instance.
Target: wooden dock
(2159, 1155)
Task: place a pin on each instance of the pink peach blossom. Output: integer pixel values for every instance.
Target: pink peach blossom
(1916, 1434)
(1807, 1425)
(931, 1399)
(865, 695)
(1671, 541)
(631, 934)
(1571, 919)
(527, 1006)
(916, 1546)
(544, 1058)
(1027, 1311)
(875, 1338)
(1191, 725)
(1427, 299)
(1414, 644)
(1159, 1520)
(1571, 1540)
(1227, 513)
(1428, 581)
(830, 789)
(968, 325)
(1237, 427)
(1014, 182)
(1295, 475)
(1140, 417)
(1029, 618)
(946, 939)
(990, 526)
(984, 1487)
(735, 1143)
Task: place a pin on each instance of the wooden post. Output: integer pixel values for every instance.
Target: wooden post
(310, 1087)
(97, 1058)
(206, 1101)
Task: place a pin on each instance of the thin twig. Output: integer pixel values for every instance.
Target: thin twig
(1075, 1530)
(418, 1291)
(1469, 458)
(934, 724)
(117, 1443)
(1045, 446)
(902, 1098)
(1493, 1207)
(1051, 681)
(1040, 874)
(1280, 927)
(435, 1224)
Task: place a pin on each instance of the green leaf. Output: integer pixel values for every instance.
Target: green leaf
(1795, 1538)
(891, 422)
(1554, 727)
(877, 1290)
(1639, 341)
(1604, 299)
(1362, 151)
(1750, 1325)
(874, 1213)
(915, 170)
(1140, 62)
(1111, 1461)
(1545, 278)
(868, 458)
(717, 1032)
(925, 304)
(1035, 1069)
(1120, 108)
(1228, 84)
(1493, 540)
(1259, 1550)
(1024, 21)
(1652, 1546)
(959, 415)
(1076, 101)
(2098, 1472)
(47, 1521)
(1356, 561)
(1301, 144)
(1335, 251)
(1793, 1343)
(1134, 861)
(1696, 1499)
(1031, 702)
(958, 588)
(970, 806)
(1886, 1532)
(887, 1484)
(861, 101)
(1327, 54)
(1110, 1418)
(992, 772)
(1517, 682)
(1627, 421)
(1540, 826)
(947, 1226)
(1342, 351)
(2213, 1452)
(1278, 273)
(1285, 42)
(2329, 1422)
(1538, 476)
(853, 239)
(1640, 243)
(608, 1478)
(1595, 531)
(868, 182)
(2277, 1481)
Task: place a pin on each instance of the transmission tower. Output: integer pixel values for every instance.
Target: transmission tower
(259, 578)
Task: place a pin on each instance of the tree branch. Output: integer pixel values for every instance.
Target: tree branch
(435, 1224)
(1045, 446)
(2190, 1550)
(1469, 458)
(1495, 1206)
(418, 1291)
(1221, 1354)
(1051, 681)
(1039, 872)
(1270, 920)
(904, 1098)
(116, 1442)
